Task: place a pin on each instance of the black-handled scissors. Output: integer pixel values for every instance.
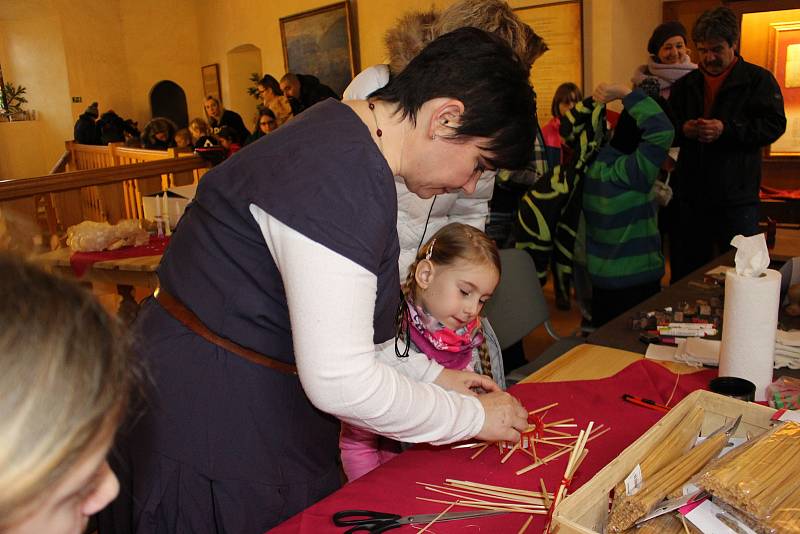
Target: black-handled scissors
(368, 521)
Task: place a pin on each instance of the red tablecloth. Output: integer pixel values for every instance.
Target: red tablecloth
(393, 488)
(82, 261)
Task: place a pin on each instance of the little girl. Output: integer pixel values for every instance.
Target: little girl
(453, 276)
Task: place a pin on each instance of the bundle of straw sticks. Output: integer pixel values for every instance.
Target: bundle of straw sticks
(762, 479)
(676, 444)
(664, 481)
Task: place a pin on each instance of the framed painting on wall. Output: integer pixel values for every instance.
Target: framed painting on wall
(784, 62)
(320, 42)
(560, 24)
(211, 85)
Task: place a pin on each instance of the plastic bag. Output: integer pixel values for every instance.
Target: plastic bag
(91, 236)
(784, 393)
(761, 479)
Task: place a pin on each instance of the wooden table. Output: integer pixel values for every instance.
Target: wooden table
(592, 362)
(139, 272)
(125, 274)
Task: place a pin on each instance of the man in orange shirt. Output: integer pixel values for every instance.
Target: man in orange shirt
(724, 113)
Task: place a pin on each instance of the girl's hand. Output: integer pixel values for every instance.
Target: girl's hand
(505, 417)
(463, 382)
(606, 92)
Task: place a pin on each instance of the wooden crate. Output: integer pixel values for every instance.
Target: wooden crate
(586, 510)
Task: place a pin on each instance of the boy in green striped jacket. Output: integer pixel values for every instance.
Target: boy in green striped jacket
(623, 245)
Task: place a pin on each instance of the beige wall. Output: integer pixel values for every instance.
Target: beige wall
(32, 54)
(756, 33)
(115, 52)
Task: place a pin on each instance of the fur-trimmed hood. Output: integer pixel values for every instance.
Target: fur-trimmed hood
(408, 37)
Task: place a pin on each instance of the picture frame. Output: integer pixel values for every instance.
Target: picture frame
(783, 61)
(211, 85)
(560, 24)
(321, 42)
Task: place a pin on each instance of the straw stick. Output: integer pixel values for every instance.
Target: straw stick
(516, 491)
(484, 507)
(544, 492)
(468, 445)
(520, 504)
(509, 453)
(537, 500)
(558, 432)
(435, 519)
(558, 454)
(479, 451)
(525, 525)
(575, 459)
(562, 421)
(543, 408)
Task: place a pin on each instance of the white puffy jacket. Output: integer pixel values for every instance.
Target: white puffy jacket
(412, 211)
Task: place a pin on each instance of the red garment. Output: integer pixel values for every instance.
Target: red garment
(780, 194)
(82, 261)
(712, 85)
(393, 486)
(233, 148)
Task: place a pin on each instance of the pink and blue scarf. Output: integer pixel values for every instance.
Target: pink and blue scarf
(451, 348)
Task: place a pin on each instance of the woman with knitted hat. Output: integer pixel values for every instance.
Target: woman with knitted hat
(669, 57)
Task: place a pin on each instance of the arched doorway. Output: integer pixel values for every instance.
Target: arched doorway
(167, 99)
(243, 62)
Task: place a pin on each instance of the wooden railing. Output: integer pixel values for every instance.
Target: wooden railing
(121, 200)
(53, 202)
(65, 181)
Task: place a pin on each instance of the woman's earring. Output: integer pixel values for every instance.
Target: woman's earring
(433, 137)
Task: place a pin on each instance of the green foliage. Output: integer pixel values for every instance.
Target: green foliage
(253, 90)
(13, 97)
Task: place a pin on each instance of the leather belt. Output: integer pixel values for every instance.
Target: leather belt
(191, 321)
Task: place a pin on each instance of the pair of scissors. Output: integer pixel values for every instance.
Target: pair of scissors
(368, 521)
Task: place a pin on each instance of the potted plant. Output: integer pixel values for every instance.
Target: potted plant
(13, 100)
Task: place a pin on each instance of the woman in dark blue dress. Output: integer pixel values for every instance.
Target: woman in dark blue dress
(279, 291)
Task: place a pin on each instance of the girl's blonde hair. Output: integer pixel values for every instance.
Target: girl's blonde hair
(201, 125)
(65, 378)
(452, 243)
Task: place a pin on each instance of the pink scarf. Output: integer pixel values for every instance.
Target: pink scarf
(451, 348)
(665, 74)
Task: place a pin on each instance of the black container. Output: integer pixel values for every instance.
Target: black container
(732, 386)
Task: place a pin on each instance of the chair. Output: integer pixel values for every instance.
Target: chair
(518, 306)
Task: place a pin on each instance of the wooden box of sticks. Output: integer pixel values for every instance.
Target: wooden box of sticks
(586, 510)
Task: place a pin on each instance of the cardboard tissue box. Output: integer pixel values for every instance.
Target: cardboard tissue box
(177, 199)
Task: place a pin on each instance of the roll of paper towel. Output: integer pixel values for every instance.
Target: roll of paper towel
(749, 324)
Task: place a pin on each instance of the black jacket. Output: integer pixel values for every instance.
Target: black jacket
(313, 91)
(232, 120)
(727, 171)
(86, 131)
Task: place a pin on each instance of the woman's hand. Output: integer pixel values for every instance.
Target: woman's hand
(463, 382)
(505, 417)
(606, 92)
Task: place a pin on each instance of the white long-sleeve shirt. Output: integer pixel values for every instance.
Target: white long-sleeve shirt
(331, 302)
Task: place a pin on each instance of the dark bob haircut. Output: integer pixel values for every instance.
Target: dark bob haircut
(566, 92)
(483, 73)
(269, 82)
(718, 23)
